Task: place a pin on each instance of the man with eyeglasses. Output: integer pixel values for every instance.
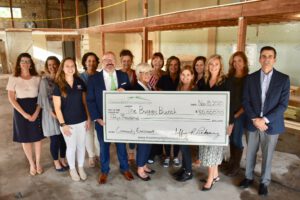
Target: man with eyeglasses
(108, 79)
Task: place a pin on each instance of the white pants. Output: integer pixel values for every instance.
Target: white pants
(92, 143)
(76, 144)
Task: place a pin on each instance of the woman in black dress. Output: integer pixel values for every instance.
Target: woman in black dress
(23, 88)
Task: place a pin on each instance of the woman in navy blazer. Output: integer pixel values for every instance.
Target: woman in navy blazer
(143, 73)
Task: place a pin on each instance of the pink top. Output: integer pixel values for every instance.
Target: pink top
(24, 88)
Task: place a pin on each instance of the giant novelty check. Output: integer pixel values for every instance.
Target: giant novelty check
(192, 118)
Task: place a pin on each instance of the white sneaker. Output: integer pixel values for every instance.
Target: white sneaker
(166, 162)
(176, 162)
(74, 175)
(150, 161)
(82, 173)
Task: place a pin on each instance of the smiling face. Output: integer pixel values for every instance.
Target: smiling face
(126, 62)
(267, 59)
(186, 77)
(91, 63)
(52, 66)
(69, 68)
(157, 63)
(174, 67)
(238, 64)
(199, 66)
(25, 64)
(108, 62)
(214, 67)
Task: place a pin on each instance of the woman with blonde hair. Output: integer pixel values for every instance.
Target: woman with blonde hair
(211, 156)
(69, 98)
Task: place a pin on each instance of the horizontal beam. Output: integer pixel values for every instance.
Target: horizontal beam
(226, 15)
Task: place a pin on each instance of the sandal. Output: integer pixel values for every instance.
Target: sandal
(39, 170)
(32, 171)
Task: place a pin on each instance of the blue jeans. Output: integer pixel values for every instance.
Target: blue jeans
(142, 154)
(104, 152)
(236, 137)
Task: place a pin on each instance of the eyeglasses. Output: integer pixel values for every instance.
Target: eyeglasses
(25, 62)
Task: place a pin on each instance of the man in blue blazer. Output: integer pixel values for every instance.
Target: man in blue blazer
(108, 79)
(266, 97)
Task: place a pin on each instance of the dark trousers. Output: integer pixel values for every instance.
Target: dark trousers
(142, 154)
(168, 150)
(186, 158)
(57, 146)
(156, 149)
(105, 153)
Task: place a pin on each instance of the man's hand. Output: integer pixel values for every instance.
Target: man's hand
(100, 121)
(260, 124)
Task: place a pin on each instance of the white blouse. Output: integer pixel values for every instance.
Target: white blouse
(24, 88)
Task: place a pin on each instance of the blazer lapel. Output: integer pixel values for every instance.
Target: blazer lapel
(119, 78)
(101, 77)
(257, 81)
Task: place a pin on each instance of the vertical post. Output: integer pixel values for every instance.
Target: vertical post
(102, 43)
(101, 13)
(11, 14)
(145, 8)
(211, 41)
(77, 13)
(242, 32)
(125, 10)
(145, 44)
(61, 13)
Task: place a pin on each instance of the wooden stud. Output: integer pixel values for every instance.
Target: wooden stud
(61, 14)
(101, 13)
(102, 44)
(77, 14)
(145, 44)
(11, 14)
(242, 32)
(211, 41)
(145, 8)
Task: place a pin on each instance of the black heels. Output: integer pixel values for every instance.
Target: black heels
(147, 178)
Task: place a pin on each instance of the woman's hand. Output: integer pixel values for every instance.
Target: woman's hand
(100, 121)
(88, 124)
(120, 90)
(229, 129)
(26, 116)
(66, 129)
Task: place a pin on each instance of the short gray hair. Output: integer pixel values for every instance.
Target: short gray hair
(142, 68)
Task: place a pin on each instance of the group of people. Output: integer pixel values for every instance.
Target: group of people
(67, 107)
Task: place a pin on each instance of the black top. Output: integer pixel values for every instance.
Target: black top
(235, 86)
(72, 106)
(166, 83)
(223, 86)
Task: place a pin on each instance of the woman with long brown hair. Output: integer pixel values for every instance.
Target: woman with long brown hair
(23, 88)
(49, 120)
(238, 70)
(186, 83)
(69, 98)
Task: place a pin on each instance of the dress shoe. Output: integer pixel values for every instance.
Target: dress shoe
(82, 173)
(102, 178)
(207, 189)
(32, 171)
(178, 173)
(39, 170)
(74, 175)
(263, 189)
(60, 169)
(128, 176)
(246, 183)
(152, 171)
(184, 177)
(147, 178)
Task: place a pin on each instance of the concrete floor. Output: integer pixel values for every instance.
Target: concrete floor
(15, 180)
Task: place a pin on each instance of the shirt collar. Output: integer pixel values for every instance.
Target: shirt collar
(141, 84)
(106, 74)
